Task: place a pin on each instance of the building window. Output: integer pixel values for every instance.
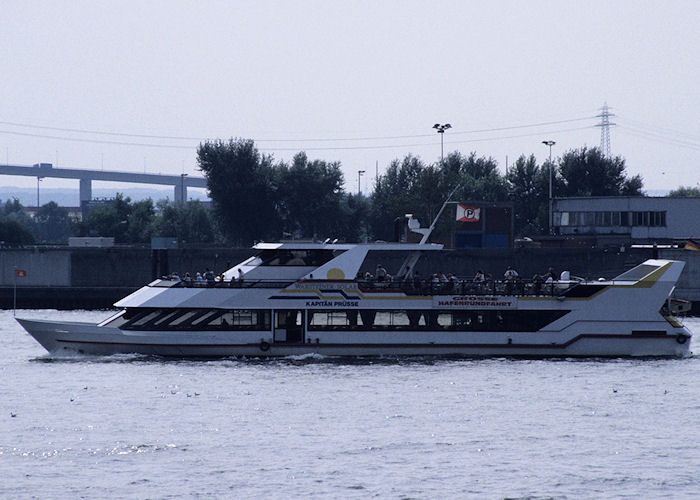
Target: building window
(616, 218)
(649, 219)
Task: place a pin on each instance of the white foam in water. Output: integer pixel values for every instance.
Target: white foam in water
(302, 357)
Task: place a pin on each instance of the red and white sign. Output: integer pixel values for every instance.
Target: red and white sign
(468, 214)
(20, 273)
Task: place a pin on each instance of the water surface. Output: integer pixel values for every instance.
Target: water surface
(143, 427)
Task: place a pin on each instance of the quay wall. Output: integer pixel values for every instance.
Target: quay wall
(61, 277)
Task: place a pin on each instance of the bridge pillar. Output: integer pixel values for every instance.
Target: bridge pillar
(85, 190)
(180, 193)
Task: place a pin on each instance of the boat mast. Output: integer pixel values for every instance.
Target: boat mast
(432, 226)
(408, 265)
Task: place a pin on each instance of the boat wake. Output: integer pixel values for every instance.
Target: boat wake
(69, 356)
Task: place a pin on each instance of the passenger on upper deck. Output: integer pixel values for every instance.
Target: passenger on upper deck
(511, 276)
(296, 260)
(380, 273)
(416, 280)
(209, 276)
(537, 281)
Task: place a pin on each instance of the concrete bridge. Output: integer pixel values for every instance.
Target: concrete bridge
(41, 170)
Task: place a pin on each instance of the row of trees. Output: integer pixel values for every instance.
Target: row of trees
(257, 199)
(126, 221)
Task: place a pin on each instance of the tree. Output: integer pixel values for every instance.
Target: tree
(13, 233)
(108, 220)
(16, 227)
(352, 224)
(140, 222)
(310, 195)
(528, 189)
(52, 223)
(241, 184)
(397, 192)
(586, 172)
(685, 192)
(478, 178)
(189, 222)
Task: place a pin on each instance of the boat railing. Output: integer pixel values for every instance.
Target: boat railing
(521, 287)
(169, 283)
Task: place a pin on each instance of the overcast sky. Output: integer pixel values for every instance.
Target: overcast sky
(341, 80)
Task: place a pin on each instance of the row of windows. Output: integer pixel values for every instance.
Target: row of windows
(606, 218)
(340, 320)
(315, 258)
(196, 319)
(472, 320)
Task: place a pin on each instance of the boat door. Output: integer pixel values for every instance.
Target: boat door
(289, 326)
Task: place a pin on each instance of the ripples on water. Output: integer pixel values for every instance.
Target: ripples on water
(144, 427)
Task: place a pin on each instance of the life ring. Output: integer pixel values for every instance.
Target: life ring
(681, 339)
(264, 346)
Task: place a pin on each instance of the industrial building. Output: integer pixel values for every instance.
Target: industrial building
(628, 219)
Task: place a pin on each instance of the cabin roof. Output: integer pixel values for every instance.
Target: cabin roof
(348, 246)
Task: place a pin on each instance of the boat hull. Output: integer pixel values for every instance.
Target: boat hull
(87, 338)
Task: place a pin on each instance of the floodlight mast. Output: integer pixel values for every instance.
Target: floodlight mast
(441, 130)
(551, 220)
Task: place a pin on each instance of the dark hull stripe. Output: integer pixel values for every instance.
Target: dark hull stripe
(393, 345)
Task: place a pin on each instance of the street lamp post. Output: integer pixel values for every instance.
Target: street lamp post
(441, 130)
(551, 220)
(360, 173)
(38, 180)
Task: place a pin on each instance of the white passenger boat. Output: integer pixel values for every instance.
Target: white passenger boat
(302, 298)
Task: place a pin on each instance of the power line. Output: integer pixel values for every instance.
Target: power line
(329, 148)
(339, 139)
(97, 141)
(659, 138)
(662, 130)
(99, 132)
(390, 146)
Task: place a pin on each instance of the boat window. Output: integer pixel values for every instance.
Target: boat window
(293, 257)
(114, 320)
(146, 317)
(637, 273)
(184, 318)
(205, 317)
(391, 318)
(200, 319)
(167, 317)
